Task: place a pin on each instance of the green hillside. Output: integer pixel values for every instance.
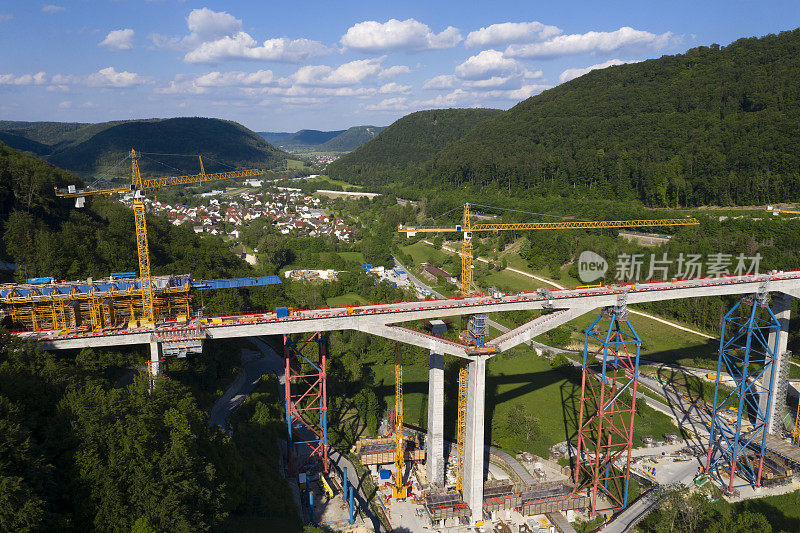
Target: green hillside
(351, 139)
(91, 148)
(716, 125)
(413, 138)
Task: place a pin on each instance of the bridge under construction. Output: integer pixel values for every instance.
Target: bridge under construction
(761, 387)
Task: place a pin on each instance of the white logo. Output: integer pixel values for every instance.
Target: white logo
(591, 266)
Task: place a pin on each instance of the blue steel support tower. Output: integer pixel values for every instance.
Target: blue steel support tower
(740, 418)
(610, 375)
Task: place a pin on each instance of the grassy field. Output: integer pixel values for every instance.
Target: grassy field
(422, 253)
(517, 377)
(506, 280)
(782, 512)
(352, 257)
(659, 341)
(324, 181)
(350, 298)
(294, 164)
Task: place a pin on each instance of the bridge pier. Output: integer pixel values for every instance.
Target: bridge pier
(781, 307)
(154, 364)
(434, 453)
(434, 456)
(473, 445)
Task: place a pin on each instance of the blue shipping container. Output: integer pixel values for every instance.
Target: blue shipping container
(39, 281)
(282, 312)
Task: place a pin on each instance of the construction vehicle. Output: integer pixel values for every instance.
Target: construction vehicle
(466, 228)
(139, 187)
(399, 489)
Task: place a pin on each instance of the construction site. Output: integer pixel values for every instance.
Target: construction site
(424, 481)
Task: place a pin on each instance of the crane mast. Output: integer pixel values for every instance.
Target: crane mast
(400, 491)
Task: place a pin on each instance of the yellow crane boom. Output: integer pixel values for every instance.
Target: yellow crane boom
(467, 228)
(139, 187)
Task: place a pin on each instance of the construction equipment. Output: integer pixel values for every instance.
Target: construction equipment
(461, 427)
(796, 432)
(467, 227)
(399, 490)
(777, 211)
(139, 187)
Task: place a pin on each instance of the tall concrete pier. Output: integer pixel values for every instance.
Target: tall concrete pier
(473, 445)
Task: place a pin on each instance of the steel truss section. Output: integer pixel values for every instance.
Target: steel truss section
(610, 375)
(306, 400)
(740, 421)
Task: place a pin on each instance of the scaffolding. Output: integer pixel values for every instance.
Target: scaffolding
(610, 375)
(740, 417)
(306, 400)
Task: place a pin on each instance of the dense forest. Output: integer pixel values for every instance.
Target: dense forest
(93, 148)
(716, 125)
(397, 150)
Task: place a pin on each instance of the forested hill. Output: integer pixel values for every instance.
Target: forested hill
(48, 237)
(93, 148)
(716, 125)
(322, 141)
(413, 138)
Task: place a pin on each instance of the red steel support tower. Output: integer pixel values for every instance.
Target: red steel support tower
(607, 409)
(306, 400)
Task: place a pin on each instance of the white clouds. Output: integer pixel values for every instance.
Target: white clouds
(592, 42)
(40, 78)
(572, 73)
(217, 36)
(350, 73)
(50, 8)
(207, 25)
(118, 40)
(444, 81)
(65, 105)
(395, 70)
(389, 104)
(407, 35)
(242, 46)
(511, 32)
(109, 77)
(5, 16)
(393, 87)
(486, 64)
(235, 78)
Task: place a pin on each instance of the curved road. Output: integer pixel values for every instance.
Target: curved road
(246, 382)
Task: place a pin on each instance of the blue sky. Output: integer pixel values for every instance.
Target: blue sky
(283, 66)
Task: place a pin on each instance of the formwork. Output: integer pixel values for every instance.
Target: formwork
(499, 495)
(441, 506)
(381, 451)
(551, 497)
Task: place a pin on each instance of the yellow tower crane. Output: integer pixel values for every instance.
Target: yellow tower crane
(139, 187)
(467, 227)
(399, 491)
